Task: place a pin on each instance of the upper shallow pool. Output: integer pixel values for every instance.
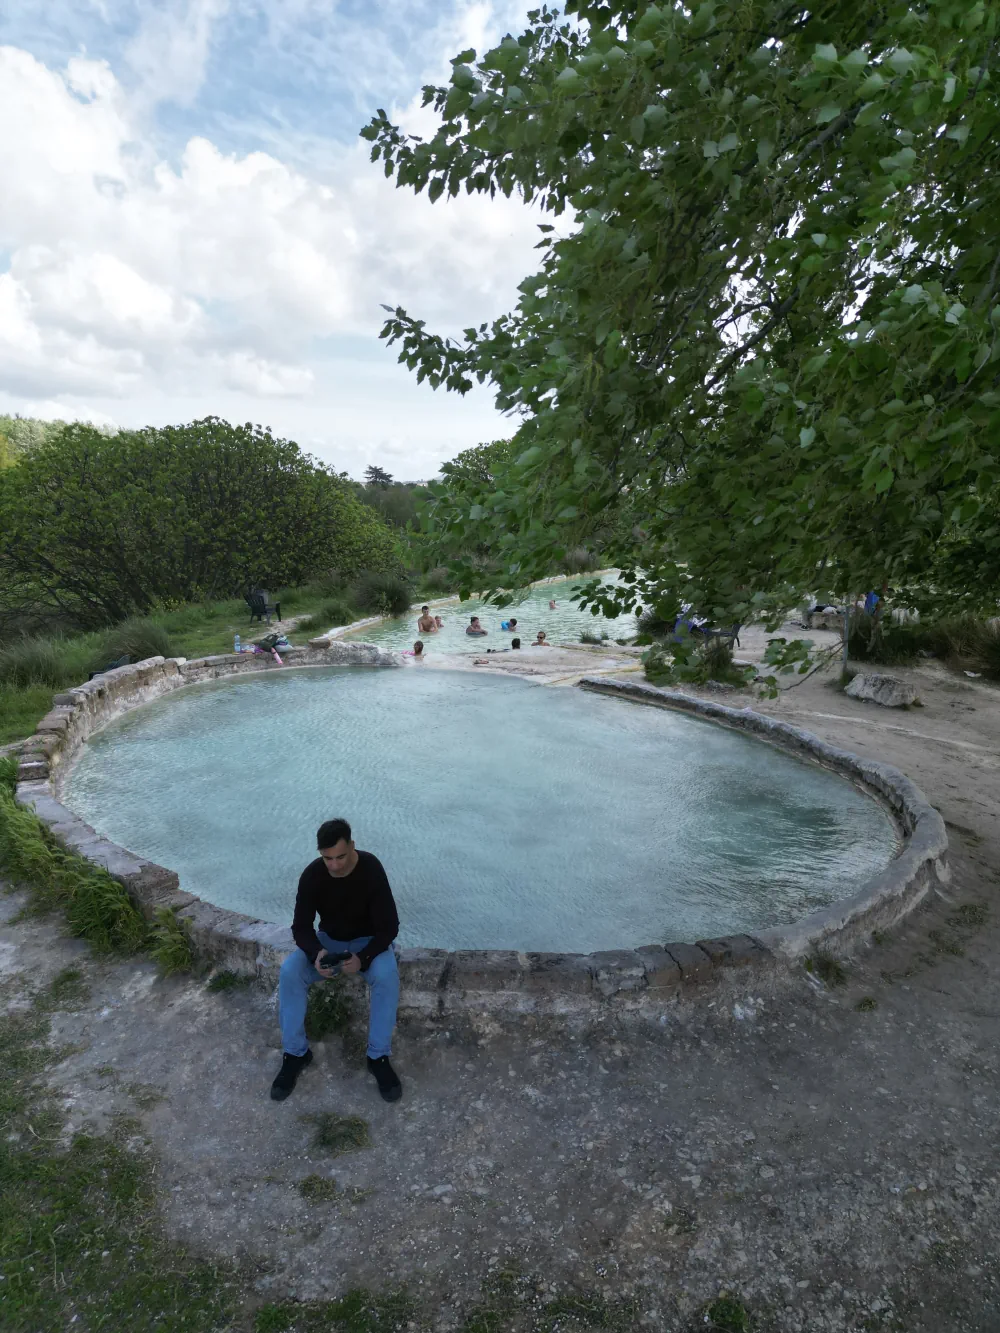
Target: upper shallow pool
(565, 624)
(508, 815)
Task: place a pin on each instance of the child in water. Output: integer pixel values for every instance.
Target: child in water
(416, 651)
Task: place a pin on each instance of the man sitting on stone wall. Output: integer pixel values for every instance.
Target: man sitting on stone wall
(357, 924)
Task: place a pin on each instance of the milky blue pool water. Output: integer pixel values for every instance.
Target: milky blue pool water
(565, 624)
(508, 815)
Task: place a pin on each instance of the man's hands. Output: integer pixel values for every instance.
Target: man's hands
(350, 965)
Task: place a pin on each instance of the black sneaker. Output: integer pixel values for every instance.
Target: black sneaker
(386, 1078)
(291, 1067)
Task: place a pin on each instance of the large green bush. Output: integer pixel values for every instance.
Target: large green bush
(100, 528)
(381, 594)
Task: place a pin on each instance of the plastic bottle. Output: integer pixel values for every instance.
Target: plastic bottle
(236, 644)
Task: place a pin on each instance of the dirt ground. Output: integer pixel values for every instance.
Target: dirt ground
(833, 1166)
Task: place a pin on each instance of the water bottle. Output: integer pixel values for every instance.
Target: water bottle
(236, 644)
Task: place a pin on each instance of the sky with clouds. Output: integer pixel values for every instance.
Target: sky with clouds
(189, 224)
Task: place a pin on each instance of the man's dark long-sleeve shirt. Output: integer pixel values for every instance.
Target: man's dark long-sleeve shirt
(360, 903)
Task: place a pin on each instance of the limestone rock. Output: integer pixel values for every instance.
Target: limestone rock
(888, 691)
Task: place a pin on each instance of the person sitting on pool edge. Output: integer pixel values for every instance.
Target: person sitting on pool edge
(425, 624)
(357, 916)
(474, 627)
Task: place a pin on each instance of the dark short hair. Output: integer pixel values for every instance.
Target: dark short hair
(471, 618)
(513, 620)
(425, 607)
(515, 643)
(330, 833)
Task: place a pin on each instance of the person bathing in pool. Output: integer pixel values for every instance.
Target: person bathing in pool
(358, 922)
(541, 641)
(474, 627)
(426, 623)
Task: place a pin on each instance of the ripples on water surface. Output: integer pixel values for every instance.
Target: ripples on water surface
(508, 815)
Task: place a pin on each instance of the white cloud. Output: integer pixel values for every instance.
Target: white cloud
(169, 53)
(138, 286)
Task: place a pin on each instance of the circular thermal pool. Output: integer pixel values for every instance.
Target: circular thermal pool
(508, 815)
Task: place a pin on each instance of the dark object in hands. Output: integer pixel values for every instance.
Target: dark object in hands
(327, 959)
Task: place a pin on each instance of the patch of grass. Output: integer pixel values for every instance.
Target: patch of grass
(329, 1009)
(22, 707)
(944, 942)
(336, 1134)
(969, 916)
(591, 636)
(511, 1300)
(360, 1311)
(866, 1004)
(171, 942)
(145, 1095)
(828, 969)
(226, 980)
(726, 1314)
(97, 908)
(78, 1230)
(68, 990)
(681, 1222)
(318, 1189)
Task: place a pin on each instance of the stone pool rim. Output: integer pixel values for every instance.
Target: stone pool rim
(438, 980)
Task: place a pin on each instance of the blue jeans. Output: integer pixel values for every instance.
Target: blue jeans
(298, 974)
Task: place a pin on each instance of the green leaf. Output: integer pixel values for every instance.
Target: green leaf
(824, 56)
(806, 436)
(710, 148)
(884, 480)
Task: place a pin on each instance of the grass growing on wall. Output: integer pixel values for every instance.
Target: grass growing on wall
(96, 907)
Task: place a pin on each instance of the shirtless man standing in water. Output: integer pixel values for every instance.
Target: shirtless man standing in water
(426, 623)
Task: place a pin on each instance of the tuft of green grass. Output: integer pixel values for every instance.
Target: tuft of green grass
(866, 1004)
(96, 906)
(336, 1134)
(828, 969)
(226, 980)
(136, 638)
(171, 942)
(329, 1009)
(318, 1189)
(726, 1314)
